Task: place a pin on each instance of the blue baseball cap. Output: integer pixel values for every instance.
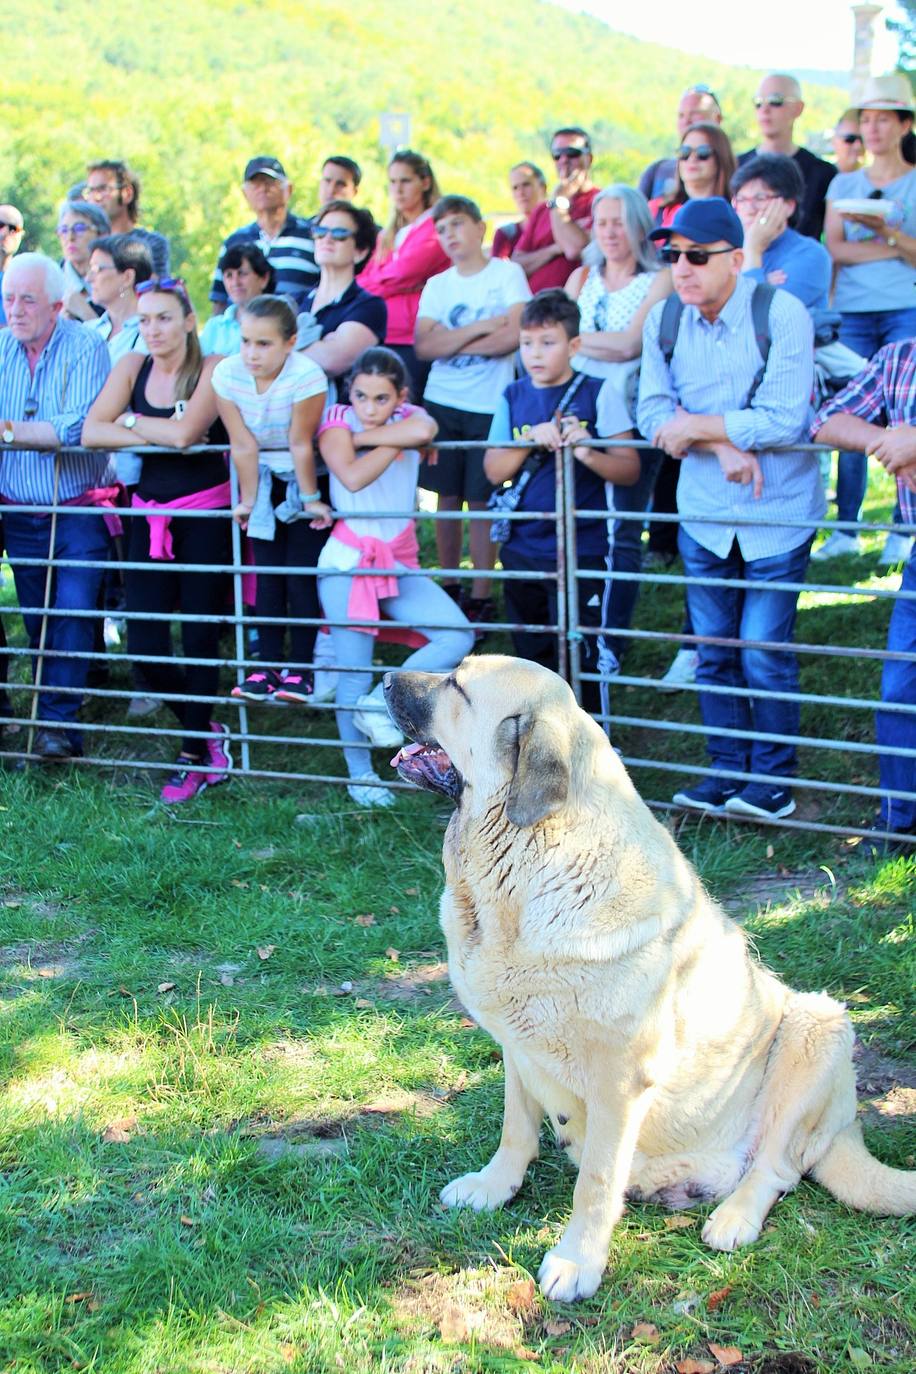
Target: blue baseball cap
(705, 221)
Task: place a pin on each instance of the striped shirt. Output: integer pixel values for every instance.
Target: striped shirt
(711, 373)
(69, 374)
(291, 254)
(884, 393)
(267, 414)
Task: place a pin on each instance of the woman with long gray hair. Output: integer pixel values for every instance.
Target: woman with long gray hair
(615, 288)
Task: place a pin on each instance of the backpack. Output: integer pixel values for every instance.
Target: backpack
(760, 315)
(834, 363)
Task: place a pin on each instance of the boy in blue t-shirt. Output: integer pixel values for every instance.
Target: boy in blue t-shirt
(553, 406)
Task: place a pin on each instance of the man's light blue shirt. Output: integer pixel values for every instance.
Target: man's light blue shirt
(711, 373)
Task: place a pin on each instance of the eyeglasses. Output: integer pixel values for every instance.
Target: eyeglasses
(571, 151)
(98, 267)
(75, 231)
(11, 227)
(759, 200)
(775, 102)
(702, 152)
(850, 138)
(175, 284)
(322, 231)
(697, 257)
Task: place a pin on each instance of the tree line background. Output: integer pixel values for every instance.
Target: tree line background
(188, 92)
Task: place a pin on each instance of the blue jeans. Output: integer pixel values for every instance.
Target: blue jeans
(77, 537)
(731, 613)
(897, 731)
(866, 331)
(627, 555)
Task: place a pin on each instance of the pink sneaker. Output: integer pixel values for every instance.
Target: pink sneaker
(258, 686)
(218, 754)
(183, 784)
(295, 687)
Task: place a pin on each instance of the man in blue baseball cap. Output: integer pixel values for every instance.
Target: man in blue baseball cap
(725, 386)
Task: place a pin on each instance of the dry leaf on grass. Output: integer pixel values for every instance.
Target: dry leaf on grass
(410, 892)
(679, 1222)
(392, 954)
(119, 1132)
(394, 910)
(265, 951)
(467, 1024)
(367, 920)
(860, 1359)
(557, 1328)
(520, 1297)
(227, 980)
(691, 1366)
(237, 882)
(457, 1323)
(187, 1221)
(645, 1333)
(362, 1003)
(165, 987)
(727, 1355)
(79, 1297)
(717, 1298)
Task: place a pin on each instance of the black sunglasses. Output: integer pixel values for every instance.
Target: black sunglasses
(850, 138)
(774, 101)
(4, 224)
(557, 153)
(702, 153)
(697, 257)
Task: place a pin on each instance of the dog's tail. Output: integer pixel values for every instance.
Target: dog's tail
(854, 1176)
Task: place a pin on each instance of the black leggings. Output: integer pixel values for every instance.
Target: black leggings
(160, 588)
(292, 595)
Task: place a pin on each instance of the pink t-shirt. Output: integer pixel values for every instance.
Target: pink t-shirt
(401, 276)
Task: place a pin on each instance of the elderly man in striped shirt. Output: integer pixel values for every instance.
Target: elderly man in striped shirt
(729, 399)
(51, 370)
(876, 414)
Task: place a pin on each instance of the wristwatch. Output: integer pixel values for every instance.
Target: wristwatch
(6, 434)
(891, 240)
(559, 203)
(130, 421)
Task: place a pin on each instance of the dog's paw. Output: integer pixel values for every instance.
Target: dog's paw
(484, 1191)
(566, 1280)
(728, 1229)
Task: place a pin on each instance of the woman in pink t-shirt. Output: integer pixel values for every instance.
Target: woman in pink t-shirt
(406, 255)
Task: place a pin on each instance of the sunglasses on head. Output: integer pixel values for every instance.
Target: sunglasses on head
(175, 284)
(702, 153)
(775, 102)
(557, 153)
(850, 138)
(323, 231)
(697, 257)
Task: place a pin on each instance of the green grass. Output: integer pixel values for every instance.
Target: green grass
(268, 1201)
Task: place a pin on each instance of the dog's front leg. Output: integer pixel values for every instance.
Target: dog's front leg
(573, 1269)
(501, 1179)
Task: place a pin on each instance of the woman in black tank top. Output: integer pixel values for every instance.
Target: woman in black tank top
(167, 399)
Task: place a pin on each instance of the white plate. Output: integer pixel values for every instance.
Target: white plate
(882, 208)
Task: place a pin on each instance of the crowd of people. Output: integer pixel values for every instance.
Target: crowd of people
(726, 311)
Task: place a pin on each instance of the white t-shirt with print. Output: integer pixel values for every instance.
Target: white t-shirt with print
(470, 381)
(268, 413)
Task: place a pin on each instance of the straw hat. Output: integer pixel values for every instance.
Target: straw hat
(889, 92)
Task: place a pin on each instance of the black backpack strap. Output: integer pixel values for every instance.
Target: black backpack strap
(669, 325)
(761, 301)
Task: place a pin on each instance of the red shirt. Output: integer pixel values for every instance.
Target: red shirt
(538, 233)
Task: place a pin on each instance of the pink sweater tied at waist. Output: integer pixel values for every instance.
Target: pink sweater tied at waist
(160, 537)
(367, 592)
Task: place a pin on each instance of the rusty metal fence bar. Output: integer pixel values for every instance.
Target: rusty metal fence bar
(570, 636)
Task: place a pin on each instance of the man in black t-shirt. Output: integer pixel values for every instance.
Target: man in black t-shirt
(779, 104)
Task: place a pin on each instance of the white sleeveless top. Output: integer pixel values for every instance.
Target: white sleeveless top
(605, 312)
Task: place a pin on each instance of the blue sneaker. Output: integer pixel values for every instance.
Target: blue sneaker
(766, 800)
(709, 794)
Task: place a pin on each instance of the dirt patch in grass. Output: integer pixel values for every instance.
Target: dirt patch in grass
(772, 890)
(327, 1134)
(886, 1086)
(491, 1307)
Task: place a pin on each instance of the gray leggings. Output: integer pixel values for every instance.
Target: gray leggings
(420, 603)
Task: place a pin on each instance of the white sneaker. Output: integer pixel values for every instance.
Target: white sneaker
(897, 549)
(372, 718)
(370, 796)
(682, 672)
(837, 545)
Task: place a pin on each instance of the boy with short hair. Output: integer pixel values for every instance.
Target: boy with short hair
(467, 325)
(553, 405)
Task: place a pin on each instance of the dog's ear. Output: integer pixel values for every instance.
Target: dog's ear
(540, 781)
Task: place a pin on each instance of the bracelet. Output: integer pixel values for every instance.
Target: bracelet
(308, 498)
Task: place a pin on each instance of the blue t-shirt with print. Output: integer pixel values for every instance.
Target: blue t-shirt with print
(523, 405)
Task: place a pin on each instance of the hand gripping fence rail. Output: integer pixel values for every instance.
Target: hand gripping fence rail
(660, 736)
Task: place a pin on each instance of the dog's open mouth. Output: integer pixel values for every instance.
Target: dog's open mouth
(426, 765)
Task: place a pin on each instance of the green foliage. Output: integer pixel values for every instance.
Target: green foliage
(188, 92)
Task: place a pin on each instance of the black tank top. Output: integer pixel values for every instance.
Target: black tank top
(165, 477)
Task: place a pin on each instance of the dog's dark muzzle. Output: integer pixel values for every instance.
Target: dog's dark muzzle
(409, 698)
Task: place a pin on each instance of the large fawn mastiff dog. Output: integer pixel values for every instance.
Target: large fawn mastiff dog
(673, 1067)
